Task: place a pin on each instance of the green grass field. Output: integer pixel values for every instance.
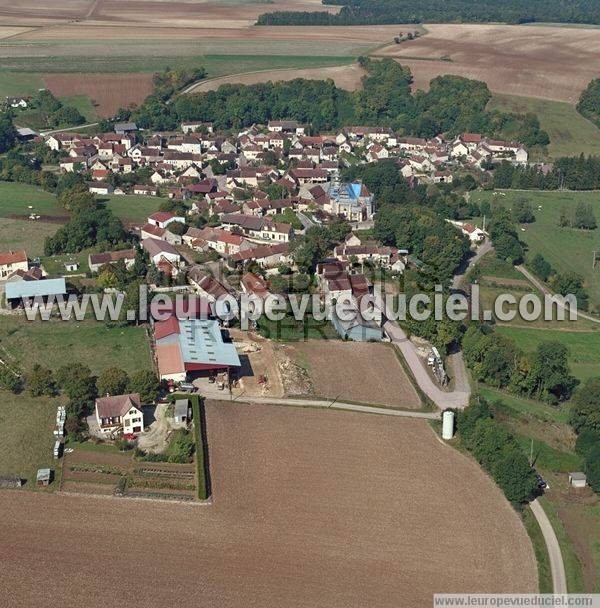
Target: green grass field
(134, 207)
(520, 406)
(25, 234)
(15, 199)
(567, 249)
(584, 346)
(570, 133)
(26, 440)
(55, 265)
(573, 569)
(57, 343)
(24, 75)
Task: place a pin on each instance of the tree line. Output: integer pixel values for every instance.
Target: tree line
(81, 387)
(569, 172)
(452, 105)
(589, 102)
(376, 12)
(497, 451)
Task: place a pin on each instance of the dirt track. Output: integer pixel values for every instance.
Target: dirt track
(310, 508)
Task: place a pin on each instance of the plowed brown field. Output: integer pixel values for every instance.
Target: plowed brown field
(327, 509)
(355, 371)
(108, 92)
(533, 61)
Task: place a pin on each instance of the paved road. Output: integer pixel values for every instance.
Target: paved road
(306, 221)
(545, 290)
(443, 399)
(559, 578)
(481, 251)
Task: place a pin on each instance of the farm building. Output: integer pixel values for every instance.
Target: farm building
(357, 329)
(181, 412)
(97, 260)
(10, 481)
(44, 477)
(192, 346)
(17, 290)
(577, 480)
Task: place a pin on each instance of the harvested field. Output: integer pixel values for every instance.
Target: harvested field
(192, 14)
(347, 77)
(371, 35)
(43, 11)
(355, 371)
(108, 92)
(534, 61)
(310, 508)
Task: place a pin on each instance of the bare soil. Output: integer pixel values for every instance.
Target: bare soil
(328, 509)
(258, 360)
(364, 372)
(534, 61)
(108, 92)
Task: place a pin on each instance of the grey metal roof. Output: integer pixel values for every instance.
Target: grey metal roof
(31, 289)
(181, 408)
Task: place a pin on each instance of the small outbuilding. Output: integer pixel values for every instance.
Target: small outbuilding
(181, 413)
(44, 477)
(10, 481)
(577, 480)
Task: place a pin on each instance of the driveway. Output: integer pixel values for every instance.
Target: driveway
(559, 578)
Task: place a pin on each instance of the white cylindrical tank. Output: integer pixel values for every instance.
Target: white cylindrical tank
(448, 425)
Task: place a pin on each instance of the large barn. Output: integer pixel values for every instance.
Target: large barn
(192, 346)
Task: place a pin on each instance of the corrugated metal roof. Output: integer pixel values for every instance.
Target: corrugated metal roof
(31, 289)
(201, 342)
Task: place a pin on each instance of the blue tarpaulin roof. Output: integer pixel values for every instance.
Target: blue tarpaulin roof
(31, 289)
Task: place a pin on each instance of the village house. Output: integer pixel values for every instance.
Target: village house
(159, 251)
(119, 413)
(162, 219)
(97, 260)
(11, 261)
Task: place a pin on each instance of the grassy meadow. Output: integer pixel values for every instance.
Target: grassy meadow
(26, 440)
(25, 234)
(567, 249)
(90, 342)
(543, 432)
(570, 133)
(16, 198)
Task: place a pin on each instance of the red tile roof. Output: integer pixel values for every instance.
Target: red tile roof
(13, 257)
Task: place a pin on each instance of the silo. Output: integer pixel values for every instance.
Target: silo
(448, 425)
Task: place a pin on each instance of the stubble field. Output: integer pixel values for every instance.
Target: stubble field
(309, 509)
(533, 61)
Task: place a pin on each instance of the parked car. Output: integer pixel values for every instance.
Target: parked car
(187, 387)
